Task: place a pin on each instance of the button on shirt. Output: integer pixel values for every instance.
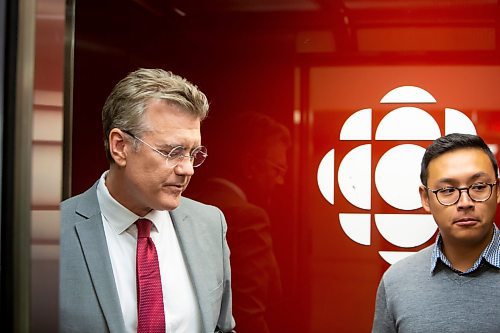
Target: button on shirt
(491, 254)
(181, 307)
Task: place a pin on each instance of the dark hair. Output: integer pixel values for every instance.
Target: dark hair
(251, 131)
(452, 142)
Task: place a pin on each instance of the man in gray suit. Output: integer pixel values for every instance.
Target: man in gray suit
(151, 123)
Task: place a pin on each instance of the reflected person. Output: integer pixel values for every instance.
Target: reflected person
(257, 163)
(137, 256)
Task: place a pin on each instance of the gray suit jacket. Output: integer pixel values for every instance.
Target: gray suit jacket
(88, 298)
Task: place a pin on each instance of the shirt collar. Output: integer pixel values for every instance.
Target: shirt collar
(491, 253)
(119, 217)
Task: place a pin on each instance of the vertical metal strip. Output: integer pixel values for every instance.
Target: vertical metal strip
(21, 172)
(69, 52)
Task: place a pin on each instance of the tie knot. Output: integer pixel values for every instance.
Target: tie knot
(143, 228)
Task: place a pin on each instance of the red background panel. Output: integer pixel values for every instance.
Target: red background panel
(309, 65)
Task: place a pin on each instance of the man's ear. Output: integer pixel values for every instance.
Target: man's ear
(424, 198)
(498, 190)
(117, 147)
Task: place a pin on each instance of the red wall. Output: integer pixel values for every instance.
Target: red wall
(310, 65)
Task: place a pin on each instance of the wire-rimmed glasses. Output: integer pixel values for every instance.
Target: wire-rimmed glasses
(176, 155)
(478, 192)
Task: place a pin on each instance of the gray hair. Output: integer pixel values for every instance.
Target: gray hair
(125, 106)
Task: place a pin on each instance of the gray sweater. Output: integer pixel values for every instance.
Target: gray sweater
(411, 299)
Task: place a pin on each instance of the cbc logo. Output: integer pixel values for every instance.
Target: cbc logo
(396, 173)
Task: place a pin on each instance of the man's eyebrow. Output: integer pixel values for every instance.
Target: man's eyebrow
(166, 145)
(479, 175)
(447, 181)
(169, 146)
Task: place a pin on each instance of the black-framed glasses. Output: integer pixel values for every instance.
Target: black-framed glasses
(176, 155)
(477, 192)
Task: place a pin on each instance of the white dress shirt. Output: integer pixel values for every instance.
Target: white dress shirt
(182, 314)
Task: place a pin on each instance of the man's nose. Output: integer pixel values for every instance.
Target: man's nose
(185, 167)
(464, 200)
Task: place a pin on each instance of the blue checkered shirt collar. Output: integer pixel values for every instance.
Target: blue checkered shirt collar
(491, 253)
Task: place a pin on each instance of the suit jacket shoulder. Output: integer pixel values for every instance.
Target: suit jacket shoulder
(88, 299)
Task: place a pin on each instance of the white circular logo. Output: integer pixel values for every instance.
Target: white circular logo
(396, 173)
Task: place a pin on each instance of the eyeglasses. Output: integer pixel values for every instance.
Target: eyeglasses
(280, 170)
(478, 192)
(176, 155)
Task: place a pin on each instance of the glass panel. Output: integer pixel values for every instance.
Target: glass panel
(361, 87)
(47, 164)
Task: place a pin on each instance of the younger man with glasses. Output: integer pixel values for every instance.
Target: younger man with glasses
(453, 285)
(136, 256)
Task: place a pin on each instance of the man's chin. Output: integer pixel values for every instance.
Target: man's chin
(170, 204)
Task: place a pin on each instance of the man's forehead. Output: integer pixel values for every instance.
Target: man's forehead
(461, 162)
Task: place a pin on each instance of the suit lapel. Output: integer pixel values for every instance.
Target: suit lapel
(95, 250)
(186, 228)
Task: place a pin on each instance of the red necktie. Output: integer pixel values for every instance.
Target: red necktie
(150, 314)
